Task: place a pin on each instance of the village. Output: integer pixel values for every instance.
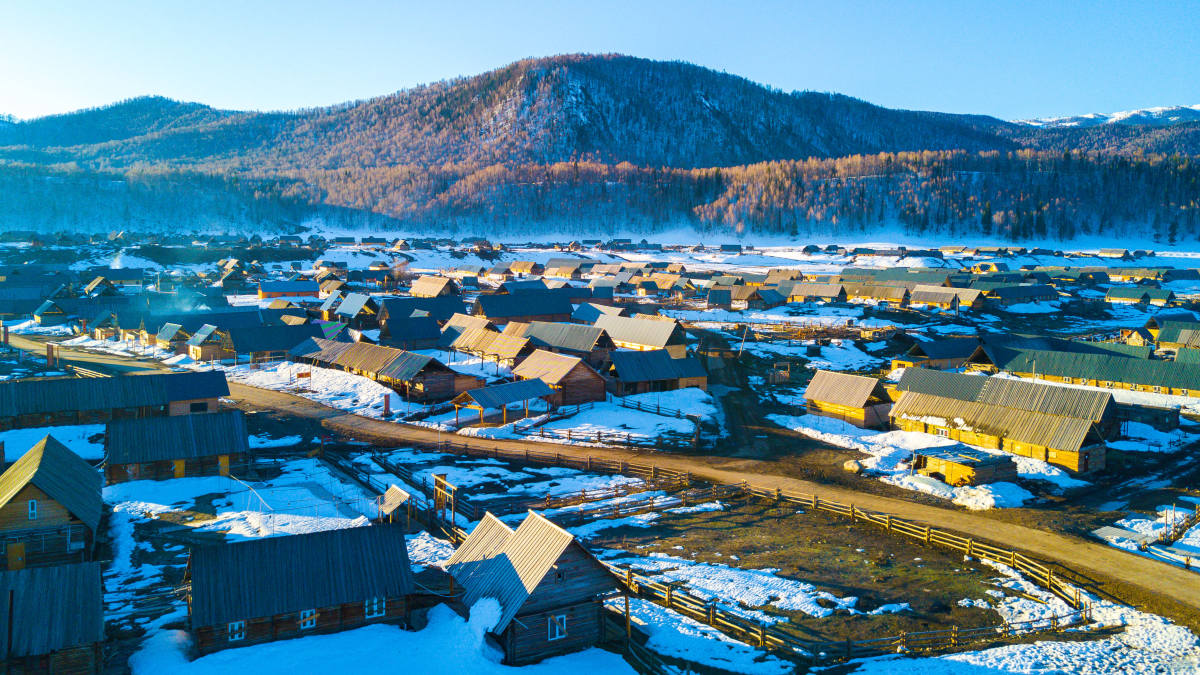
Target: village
(225, 453)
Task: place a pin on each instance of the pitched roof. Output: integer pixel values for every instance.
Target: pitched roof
(499, 395)
(440, 308)
(654, 365)
(38, 396)
(429, 286)
(279, 575)
(547, 366)
(1008, 392)
(854, 391)
(497, 562)
(247, 340)
(153, 439)
(544, 303)
(53, 608)
(641, 331)
(52, 468)
(567, 336)
(1052, 431)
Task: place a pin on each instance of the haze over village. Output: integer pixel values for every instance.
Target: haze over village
(639, 356)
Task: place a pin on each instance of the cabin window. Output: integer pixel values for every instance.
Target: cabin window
(1158, 390)
(1108, 385)
(558, 626)
(1184, 392)
(1067, 380)
(308, 619)
(942, 432)
(375, 607)
(200, 407)
(32, 507)
(237, 630)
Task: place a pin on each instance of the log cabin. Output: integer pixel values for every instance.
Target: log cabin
(432, 287)
(550, 588)
(644, 333)
(279, 588)
(634, 372)
(90, 400)
(50, 507)
(175, 447)
(288, 289)
(55, 622)
(414, 376)
(589, 343)
(572, 379)
(861, 401)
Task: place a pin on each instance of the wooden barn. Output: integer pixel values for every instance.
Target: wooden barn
(159, 448)
(961, 465)
(551, 589)
(655, 370)
(54, 620)
(861, 401)
(415, 376)
(50, 507)
(90, 400)
(589, 343)
(279, 588)
(571, 378)
(644, 333)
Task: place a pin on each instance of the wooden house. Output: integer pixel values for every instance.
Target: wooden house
(861, 401)
(440, 308)
(961, 465)
(1006, 296)
(550, 588)
(645, 333)
(590, 343)
(288, 289)
(54, 620)
(1096, 369)
(1139, 295)
(814, 292)
(571, 378)
(634, 372)
(941, 354)
(719, 298)
(501, 308)
(935, 296)
(91, 400)
(415, 376)
(491, 345)
(50, 507)
(250, 344)
(359, 311)
(280, 588)
(433, 287)
(588, 312)
(159, 448)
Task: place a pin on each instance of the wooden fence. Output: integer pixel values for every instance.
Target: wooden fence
(656, 408)
(665, 441)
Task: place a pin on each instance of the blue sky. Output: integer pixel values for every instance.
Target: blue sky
(1009, 59)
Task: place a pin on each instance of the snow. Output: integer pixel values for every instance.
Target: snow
(426, 550)
(674, 635)
(589, 530)
(263, 441)
(334, 388)
(86, 440)
(447, 645)
(1033, 308)
(31, 327)
(707, 507)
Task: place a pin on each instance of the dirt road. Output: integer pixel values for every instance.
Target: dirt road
(1110, 572)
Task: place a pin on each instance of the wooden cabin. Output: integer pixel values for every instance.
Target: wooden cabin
(655, 370)
(53, 622)
(589, 343)
(91, 400)
(414, 376)
(525, 306)
(433, 287)
(572, 379)
(961, 465)
(288, 289)
(940, 354)
(644, 333)
(359, 311)
(861, 401)
(160, 448)
(551, 589)
(280, 588)
(814, 292)
(50, 507)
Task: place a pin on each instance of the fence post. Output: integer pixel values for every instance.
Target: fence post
(889, 522)
(927, 537)
(670, 596)
(969, 543)
(954, 636)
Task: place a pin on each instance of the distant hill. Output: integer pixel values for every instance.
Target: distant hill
(594, 139)
(1162, 116)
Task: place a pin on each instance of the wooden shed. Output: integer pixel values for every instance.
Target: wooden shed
(54, 620)
(960, 465)
(279, 588)
(50, 507)
(861, 401)
(159, 448)
(571, 378)
(550, 588)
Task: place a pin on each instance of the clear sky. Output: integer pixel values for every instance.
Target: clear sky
(1009, 59)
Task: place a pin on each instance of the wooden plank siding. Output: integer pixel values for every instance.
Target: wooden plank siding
(215, 465)
(81, 660)
(209, 639)
(56, 537)
(1086, 459)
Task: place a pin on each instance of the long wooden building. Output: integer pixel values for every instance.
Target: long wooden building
(89, 400)
(415, 376)
(280, 588)
(572, 379)
(50, 507)
(175, 447)
(550, 588)
(861, 401)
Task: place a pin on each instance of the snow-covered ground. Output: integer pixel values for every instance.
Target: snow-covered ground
(31, 327)
(889, 454)
(86, 440)
(334, 388)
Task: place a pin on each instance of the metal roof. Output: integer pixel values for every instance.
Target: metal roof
(499, 395)
(53, 608)
(440, 308)
(945, 348)
(548, 366)
(854, 391)
(1051, 431)
(353, 304)
(831, 291)
(572, 337)
(279, 575)
(654, 365)
(641, 331)
(951, 385)
(154, 439)
(282, 337)
(1099, 367)
(497, 562)
(532, 303)
(54, 469)
(39, 396)
(430, 286)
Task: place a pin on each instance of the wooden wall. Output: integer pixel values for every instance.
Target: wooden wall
(47, 540)
(82, 660)
(165, 470)
(286, 626)
(527, 638)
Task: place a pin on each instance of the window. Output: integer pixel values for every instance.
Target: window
(1184, 392)
(1158, 390)
(308, 619)
(942, 432)
(374, 607)
(558, 626)
(237, 630)
(1108, 385)
(200, 407)
(1067, 380)
(32, 509)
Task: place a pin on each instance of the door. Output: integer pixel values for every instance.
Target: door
(179, 472)
(223, 465)
(16, 556)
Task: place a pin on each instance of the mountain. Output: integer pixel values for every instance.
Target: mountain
(1144, 117)
(600, 141)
